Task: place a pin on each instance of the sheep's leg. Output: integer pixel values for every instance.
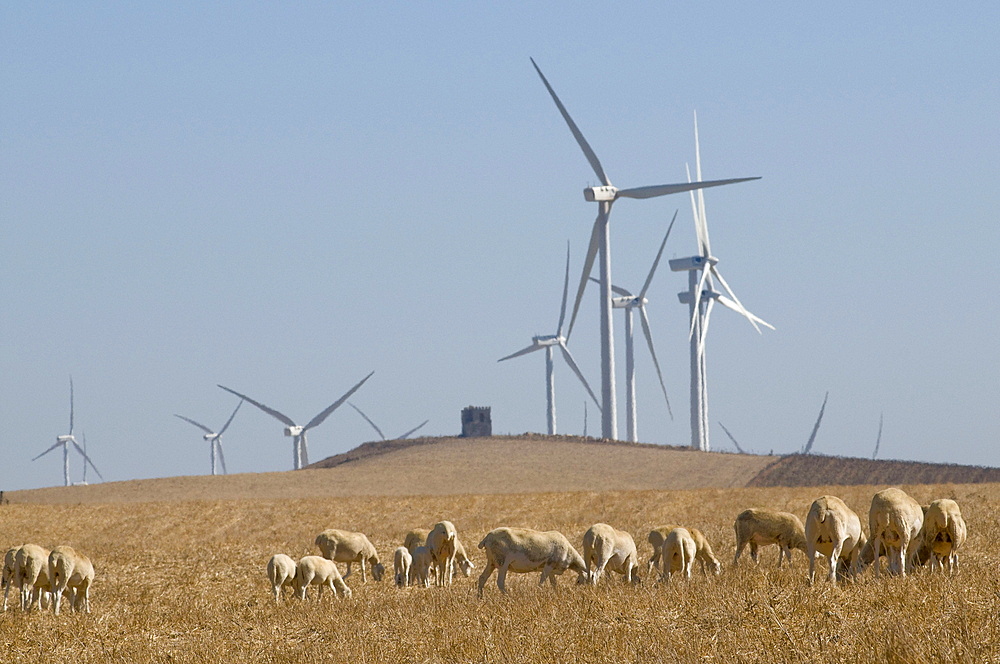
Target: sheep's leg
(753, 554)
(502, 577)
(485, 576)
(546, 572)
(739, 549)
(834, 558)
(654, 561)
(348, 570)
(364, 577)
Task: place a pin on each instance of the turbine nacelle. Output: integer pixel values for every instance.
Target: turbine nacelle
(210, 436)
(706, 295)
(692, 263)
(546, 340)
(626, 301)
(604, 193)
(293, 431)
(65, 439)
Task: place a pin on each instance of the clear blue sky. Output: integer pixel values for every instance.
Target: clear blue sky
(284, 197)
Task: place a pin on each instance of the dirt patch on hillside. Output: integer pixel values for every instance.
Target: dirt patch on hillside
(814, 470)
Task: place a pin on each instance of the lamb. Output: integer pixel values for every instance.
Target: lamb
(418, 537)
(677, 553)
(8, 573)
(402, 562)
(703, 550)
(764, 527)
(420, 568)
(942, 534)
(73, 570)
(31, 570)
(607, 548)
(465, 565)
(894, 521)
(280, 572)
(441, 543)
(522, 550)
(343, 546)
(322, 572)
(834, 530)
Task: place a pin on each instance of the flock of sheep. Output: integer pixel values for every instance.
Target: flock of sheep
(902, 530)
(43, 576)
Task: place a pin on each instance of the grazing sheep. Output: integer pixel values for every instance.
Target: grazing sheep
(894, 521)
(465, 565)
(607, 548)
(401, 563)
(343, 546)
(418, 537)
(421, 567)
(834, 530)
(703, 553)
(441, 543)
(73, 570)
(522, 550)
(8, 574)
(764, 527)
(322, 572)
(31, 574)
(280, 572)
(943, 533)
(678, 553)
(655, 539)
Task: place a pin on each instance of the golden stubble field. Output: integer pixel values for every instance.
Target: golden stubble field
(184, 581)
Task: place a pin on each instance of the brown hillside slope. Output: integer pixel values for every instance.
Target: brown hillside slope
(813, 470)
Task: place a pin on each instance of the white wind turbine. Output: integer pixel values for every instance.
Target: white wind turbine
(548, 342)
(379, 431)
(629, 302)
(215, 439)
(605, 195)
(700, 297)
(66, 441)
(300, 448)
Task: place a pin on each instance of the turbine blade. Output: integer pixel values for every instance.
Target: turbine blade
(316, 421)
(200, 426)
(644, 319)
(697, 300)
(230, 420)
(704, 329)
(812, 436)
(579, 374)
(617, 290)
(71, 405)
(729, 304)
(368, 420)
(652, 191)
(736, 300)
(697, 217)
(652, 270)
(524, 351)
(413, 430)
(562, 307)
(222, 457)
(878, 441)
(588, 266)
(270, 411)
(595, 163)
(86, 459)
(703, 220)
(738, 448)
(47, 451)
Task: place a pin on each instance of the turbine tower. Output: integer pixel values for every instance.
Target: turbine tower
(66, 441)
(215, 439)
(605, 195)
(700, 297)
(812, 437)
(548, 342)
(300, 448)
(379, 431)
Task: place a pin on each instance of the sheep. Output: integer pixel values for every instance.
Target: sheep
(703, 550)
(465, 565)
(8, 573)
(31, 574)
(763, 527)
(441, 544)
(942, 534)
(834, 530)
(421, 567)
(280, 572)
(322, 572)
(343, 546)
(607, 548)
(522, 550)
(894, 521)
(418, 537)
(401, 562)
(677, 553)
(73, 570)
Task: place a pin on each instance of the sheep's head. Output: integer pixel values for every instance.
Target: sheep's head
(715, 566)
(466, 566)
(378, 571)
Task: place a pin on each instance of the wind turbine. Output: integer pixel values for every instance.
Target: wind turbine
(379, 431)
(548, 342)
(629, 302)
(878, 440)
(738, 448)
(812, 436)
(300, 448)
(700, 297)
(65, 442)
(605, 195)
(215, 439)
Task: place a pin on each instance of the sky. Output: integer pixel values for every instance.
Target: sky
(284, 197)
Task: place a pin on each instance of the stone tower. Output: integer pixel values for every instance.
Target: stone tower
(476, 422)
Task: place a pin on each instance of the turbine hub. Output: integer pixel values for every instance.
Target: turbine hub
(293, 431)
(65, 439)
(600, 194)
(546, 340)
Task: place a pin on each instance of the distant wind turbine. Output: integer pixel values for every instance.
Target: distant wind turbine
(878, 441)
(300, 448)
(548, 342)
(605, 195)
(379, 431)
(215, 439)
(66, 441)
(812, 436)
(738, 448)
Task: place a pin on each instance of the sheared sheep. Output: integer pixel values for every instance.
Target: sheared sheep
(522, 550)
(343, 546)
(73, 570)
(418, 537)
(462, 561)
(8, 573)
(943, 533)
(834, 530)
(401, 563)
(421, 567)
(322, 572)
(894, 521)
(31, 574)
(703, 550)
(605, 547)
(764, 527)
(281, 573)
(441, 544)
(678, 553)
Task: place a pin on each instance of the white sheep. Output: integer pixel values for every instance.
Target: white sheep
(462, 561)
(8, 573)
(604, 547)
(31, 574)
(322, 572)
(418, 537)
(280, 572)
(441, 544)
(402, 560)
(942, 534)
(834, 530)
(421, 567)
(703, 550)
(758, 528)
(677, 553)
(344, 546)
(522, 550)
(894, 521)
(73, 570)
